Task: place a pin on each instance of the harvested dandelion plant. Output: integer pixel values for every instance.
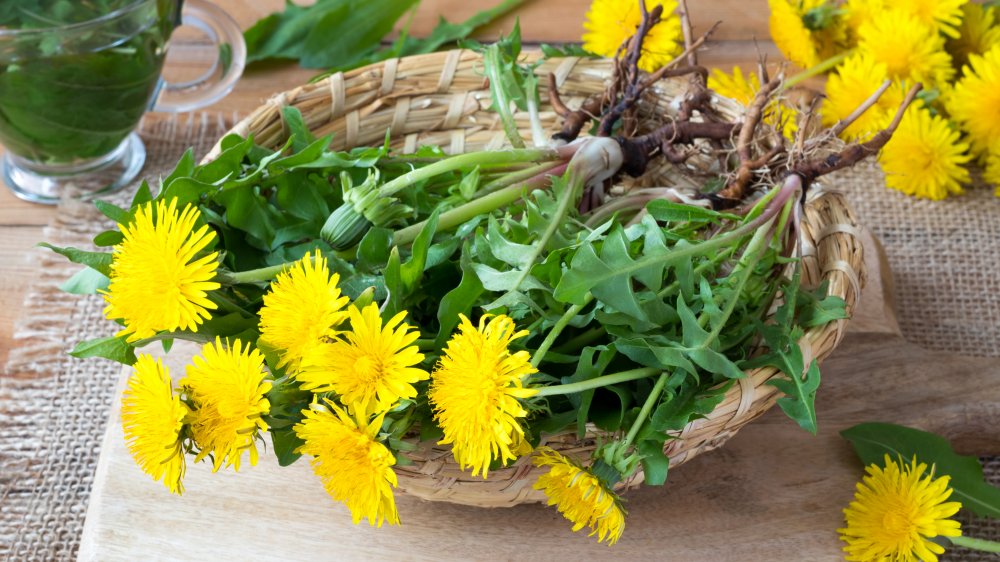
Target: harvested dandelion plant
(359, 305)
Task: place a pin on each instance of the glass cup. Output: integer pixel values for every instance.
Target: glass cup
(77, 75)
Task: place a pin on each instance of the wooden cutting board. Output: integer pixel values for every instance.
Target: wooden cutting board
(773, 492)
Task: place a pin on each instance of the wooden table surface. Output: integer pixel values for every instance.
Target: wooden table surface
(551, 21)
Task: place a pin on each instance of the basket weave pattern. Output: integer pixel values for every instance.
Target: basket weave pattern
(443, 99)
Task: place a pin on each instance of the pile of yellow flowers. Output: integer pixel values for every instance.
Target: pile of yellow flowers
(358, 366)
(952, 47)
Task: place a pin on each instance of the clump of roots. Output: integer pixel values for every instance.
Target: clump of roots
(752, 155)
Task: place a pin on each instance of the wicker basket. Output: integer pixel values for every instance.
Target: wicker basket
(442, 99)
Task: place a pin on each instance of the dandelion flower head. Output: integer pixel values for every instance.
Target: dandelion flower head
(743, 88)
(910, 49)
(975, 100)
(978, 33)
(158, 282)
(804, 46)
(475, 390)
(609, 23)
(857, 12)
(853, 83)
(992, 171)
(228, 387)
(944, 15)
(355, 467)
(580, 496)
(896, 511)
(303, 308)
(371, 366)
(153, 421)
(925, 157)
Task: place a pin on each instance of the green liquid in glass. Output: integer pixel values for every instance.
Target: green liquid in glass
(74, 94)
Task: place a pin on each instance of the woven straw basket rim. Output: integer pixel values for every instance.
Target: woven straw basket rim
(442, 99)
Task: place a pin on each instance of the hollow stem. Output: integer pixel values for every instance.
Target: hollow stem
(566, 199)
(578, 342)
(260, 275)
(560, 325)
(479, 205)
(647, 407)
(744, 269)
(519, 176)
(597, 382)
(981, 545)
(820, 68)
(184, 336)
(466, 161)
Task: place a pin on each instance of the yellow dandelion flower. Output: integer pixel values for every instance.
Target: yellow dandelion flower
(734, 86)
(302, 308)
(854, 81)
(992, 171)
(355, 467)
(896, 511)
(475, 390)
(925, 157)
(371, 367)
(157, 282)
(153, 419)
(742, 88)
(910, 49)
(610, 22)
(857, 12)
(228, 389)
(580, 496)
(944, 15)
(975, 100)
(804, 46)
(978, 33)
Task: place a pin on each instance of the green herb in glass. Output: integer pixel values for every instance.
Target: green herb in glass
(76, 77)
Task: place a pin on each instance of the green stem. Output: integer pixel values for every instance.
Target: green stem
(818, 69)
(184, 336)
(514, 177)
(700, 268)
(227, 304)
(981, 545)
(426, 344)
(261, 275)
(744, 268)
(566, 198)
(560, 325)
(578, 342)
(647, 407)
(454, 217)
(597, 382)
(466, 161)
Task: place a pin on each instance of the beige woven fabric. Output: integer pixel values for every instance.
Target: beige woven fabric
(944, 257)
(55, 407)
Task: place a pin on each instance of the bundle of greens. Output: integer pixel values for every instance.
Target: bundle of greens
(358, 305)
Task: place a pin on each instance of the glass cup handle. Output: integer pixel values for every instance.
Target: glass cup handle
(217, 81)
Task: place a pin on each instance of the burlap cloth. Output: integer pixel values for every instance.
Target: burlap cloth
(944, 256)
